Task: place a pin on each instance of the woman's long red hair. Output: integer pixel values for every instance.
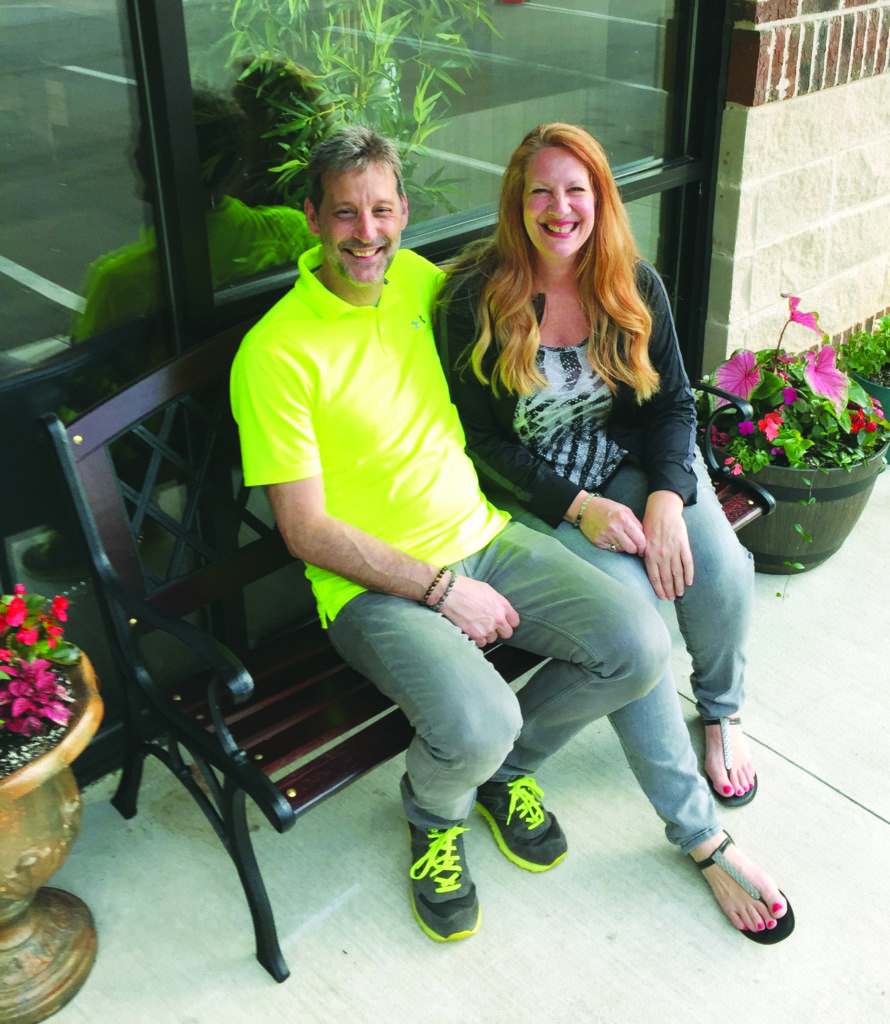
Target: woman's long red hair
(619, 320)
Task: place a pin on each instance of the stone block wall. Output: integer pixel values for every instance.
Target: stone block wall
(803, 200)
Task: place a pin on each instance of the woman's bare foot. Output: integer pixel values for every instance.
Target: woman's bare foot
(743, 910)
(740, 778)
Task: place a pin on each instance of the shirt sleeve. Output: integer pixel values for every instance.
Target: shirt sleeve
(272, 402)
(666, 420)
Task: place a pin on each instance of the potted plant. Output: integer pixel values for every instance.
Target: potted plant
(49, 710)
(866, 358)
(816, 440)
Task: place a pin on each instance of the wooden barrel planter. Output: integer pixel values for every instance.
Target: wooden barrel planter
(824, 505)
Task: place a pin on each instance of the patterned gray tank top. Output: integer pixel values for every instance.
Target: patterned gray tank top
(565, 422)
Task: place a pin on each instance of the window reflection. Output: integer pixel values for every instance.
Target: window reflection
(456, 82)
(242, 240)
(66, 111)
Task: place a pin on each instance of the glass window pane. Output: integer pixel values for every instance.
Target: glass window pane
(457, 82)
(74, 214)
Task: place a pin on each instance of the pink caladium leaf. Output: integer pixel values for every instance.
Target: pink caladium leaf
(807, 319)
(739, 375)
(825, 378)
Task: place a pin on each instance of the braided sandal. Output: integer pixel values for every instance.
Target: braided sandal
(734, 800)
(769, 936)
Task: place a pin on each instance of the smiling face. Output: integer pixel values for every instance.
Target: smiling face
(559, 204)
(359, 222)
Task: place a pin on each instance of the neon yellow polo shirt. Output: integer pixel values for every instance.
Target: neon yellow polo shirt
(357, 394)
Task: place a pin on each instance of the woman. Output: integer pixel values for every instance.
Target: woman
(564, 364)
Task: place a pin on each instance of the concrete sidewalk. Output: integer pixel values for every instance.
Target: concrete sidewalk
(623, 932)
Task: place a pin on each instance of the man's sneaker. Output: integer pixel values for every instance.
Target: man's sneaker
(527, 833)
(442, 893)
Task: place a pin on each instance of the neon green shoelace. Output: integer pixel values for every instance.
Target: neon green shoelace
(441, 861)
(525, 798)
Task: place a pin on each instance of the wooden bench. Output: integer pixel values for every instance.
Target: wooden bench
(185, 554)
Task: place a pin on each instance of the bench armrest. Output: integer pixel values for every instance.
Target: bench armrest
(226, 670)
(731, 405)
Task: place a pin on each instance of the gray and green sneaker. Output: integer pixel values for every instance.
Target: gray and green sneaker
(442, 893)
(527, 834)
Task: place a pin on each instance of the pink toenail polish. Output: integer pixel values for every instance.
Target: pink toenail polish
(771, 924)
(740, 792)
(760, 926)
(777, 907)
(727, 790)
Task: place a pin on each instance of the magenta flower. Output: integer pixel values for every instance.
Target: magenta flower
(739, 375)
(807, 319)
(790, 395)
(746, 427)
(825, 379)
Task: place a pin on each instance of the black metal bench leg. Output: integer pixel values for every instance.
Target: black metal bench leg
(268, 952)
(124, 799)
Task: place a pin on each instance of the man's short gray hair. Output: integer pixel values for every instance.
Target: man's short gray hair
(349, 149)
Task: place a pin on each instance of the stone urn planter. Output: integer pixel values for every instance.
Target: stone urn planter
(47, 936)
(824, 505)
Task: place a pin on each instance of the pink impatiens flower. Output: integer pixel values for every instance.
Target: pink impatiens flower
(746, 426)
(790, 395)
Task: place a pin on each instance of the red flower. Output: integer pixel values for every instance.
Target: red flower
(19, 589)
(27, 636)
(16, 612)
(59, 609)
(770, 425)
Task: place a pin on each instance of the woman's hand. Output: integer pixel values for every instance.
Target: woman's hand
(610, 525)
(668, 556)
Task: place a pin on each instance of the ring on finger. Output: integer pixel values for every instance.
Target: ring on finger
(613, 547)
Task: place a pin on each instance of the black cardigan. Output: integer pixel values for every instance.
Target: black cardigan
(658, 435)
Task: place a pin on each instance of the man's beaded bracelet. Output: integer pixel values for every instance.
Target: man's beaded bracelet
(437, 607)
(580, 515)
(433, 585)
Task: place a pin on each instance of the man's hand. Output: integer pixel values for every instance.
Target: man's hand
(668, 556)
(478, 610)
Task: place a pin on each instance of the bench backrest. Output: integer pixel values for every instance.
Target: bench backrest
(156, 478)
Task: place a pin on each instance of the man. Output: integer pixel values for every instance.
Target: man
(345, 418)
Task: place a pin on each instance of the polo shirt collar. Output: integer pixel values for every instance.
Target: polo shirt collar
(328, 305)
